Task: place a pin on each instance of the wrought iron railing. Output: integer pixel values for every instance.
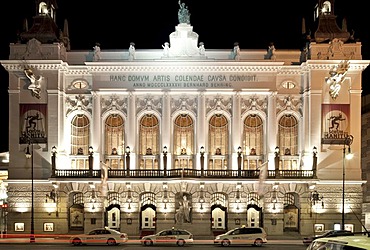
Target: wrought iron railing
(184, 173)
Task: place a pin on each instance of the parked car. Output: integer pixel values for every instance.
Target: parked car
(331, 233)
(99, 236)
(356, 242)
(173, 236)
(255, 236)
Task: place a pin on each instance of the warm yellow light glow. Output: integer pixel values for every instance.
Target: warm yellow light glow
(22, 208)
(349, 156)
(50, 207)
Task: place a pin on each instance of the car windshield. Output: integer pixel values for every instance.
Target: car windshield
(230, 231)
(113, 231)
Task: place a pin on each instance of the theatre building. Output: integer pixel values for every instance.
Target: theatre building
(184, 136)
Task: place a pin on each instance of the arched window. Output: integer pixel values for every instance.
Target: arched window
(253, 135)
(183, 135)
(218, 199)
(253, 199)
(149, 135)
(288, 135)
(326, 8)
(114, 198)
(80, 139)
(218, 136)
(114, 135)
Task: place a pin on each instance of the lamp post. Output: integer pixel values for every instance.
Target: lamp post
(165, 160)
(277, 161)
(53, 164)
(347, 142)
(128, 160)
(202, 161)
(91, 159)
(314, 162)
(29, 155)
(239, 161)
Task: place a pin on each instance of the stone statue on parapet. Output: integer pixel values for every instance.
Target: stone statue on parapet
(183, 14)
(236, 52)
(97, 52)
(131, 52)
(271, 52)
(202, 49)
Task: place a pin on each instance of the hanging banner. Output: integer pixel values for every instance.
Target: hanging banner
(335, 123)
(33, 123)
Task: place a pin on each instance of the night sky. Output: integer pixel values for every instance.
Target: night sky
(114, 24)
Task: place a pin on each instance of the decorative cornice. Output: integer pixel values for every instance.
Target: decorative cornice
(182, 68)
(354, 65)
(39, 65)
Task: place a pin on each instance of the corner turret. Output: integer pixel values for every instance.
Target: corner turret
(328, 28)
(44, 27)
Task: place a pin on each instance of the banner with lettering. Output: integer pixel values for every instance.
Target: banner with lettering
(335, 123)
(33, 123)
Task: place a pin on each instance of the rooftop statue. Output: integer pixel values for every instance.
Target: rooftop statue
(183, 14)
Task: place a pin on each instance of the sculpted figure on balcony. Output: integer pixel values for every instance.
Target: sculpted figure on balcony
(218, 151)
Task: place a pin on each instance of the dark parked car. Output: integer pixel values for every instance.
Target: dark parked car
(331, 233)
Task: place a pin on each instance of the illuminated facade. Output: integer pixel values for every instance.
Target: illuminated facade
(200, 139)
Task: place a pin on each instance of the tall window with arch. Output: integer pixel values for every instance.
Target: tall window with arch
(288, 135)
(183, 134)
(253, 134)
(149, 132)
(183, 141)
(80, 140)
(218, 141)
(253, 141)
(114, 132)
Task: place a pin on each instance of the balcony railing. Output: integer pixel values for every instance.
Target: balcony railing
(149, 167)
(184, 173)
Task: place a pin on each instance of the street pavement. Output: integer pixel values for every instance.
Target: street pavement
(197, 240)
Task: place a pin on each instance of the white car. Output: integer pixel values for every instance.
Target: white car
(173, 236)
(355, 242)
(104, 236)
(255, 236)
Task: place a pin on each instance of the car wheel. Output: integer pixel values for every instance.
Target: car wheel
(111, 242)
(258, 243)
(76, 242)
(225, 243)
(180, 243)
(148, 242)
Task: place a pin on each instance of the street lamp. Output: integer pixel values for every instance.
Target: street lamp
(165, 160)
(53, 164)
(91, 159)
(29, 155)
(314, 164)
(277, 161)
(202, 161)
(347, 142)
(239, 161)
(128, 151)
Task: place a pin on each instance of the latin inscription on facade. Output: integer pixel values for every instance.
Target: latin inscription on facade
(183, 80)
